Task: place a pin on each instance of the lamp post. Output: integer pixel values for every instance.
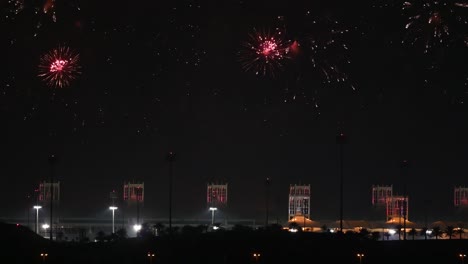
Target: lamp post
(404, 165)
(150, 256)
(360, 255)
(52, 161)
(170, 158)
(44, 256)
(256, 256)
(213, 209)
(267, 200)
(45, 227)
(462, 257)
(37, 207)
(113, 208)
(341, 140)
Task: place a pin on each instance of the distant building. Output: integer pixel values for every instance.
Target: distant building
(217, 195)
(299, 200)
(460, 199)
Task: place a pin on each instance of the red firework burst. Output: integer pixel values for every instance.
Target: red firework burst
(264, 53)
(59, 67)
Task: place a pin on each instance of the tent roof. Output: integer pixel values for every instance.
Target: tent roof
(299, 219)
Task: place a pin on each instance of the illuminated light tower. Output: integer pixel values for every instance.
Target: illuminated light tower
(150, 256)
(256, 256)
(213, 209)
(170, 157)
(404, 166)
(267, 200)
(37, 207)
(113, 208)
(360, 255)
(341, 140)
(52, 162)
(462, 257)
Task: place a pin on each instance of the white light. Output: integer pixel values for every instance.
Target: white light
(215, 227)
(37, 207)
(213, 208)
(113, 208)
(293, 230)
(391, 232)
(45, 226)
(137, 228)
(428, 232)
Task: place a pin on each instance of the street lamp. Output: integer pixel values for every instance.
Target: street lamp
(360, 255)
(462, 257)
(213, 209)
(45, 226)
(113, 208)
(37, 207)
(256, 256)
(150, 256)
(137, 227)
(44, 256)
(341, 140)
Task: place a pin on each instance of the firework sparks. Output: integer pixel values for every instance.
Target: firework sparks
(435, 23)
(264, 53)
(59, 67)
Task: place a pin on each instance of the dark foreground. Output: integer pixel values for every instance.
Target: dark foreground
(20, 245)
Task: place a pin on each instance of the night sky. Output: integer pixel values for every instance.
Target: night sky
(157, 76)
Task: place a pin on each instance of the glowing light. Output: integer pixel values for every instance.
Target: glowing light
(435, 23)
(59, 67)
(264, 53)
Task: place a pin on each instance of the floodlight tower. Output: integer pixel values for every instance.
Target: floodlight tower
(52, 162)
(341, 140)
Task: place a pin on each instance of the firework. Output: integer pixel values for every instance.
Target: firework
(13, 8)
(264, 53)
(59, 67)
(435, 23)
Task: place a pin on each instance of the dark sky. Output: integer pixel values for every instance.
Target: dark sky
(158, 77)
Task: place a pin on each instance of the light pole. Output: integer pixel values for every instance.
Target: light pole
(170, 158)
(45, 227)
(44, 256)
(113, 208)
(341, 140)
(213, 209)
(267, 200)
(360, 255)
(52, 161)
(150, 256)
(404, 165)
(462, 257)
(37, 207)
(256, 256)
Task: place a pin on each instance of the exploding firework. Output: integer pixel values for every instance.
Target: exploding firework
(13, 8)
(435, 23)
(59, 67)
(329, 50)
(264, 53)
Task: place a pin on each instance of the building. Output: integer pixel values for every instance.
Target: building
(299, 201)
(217, 195)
